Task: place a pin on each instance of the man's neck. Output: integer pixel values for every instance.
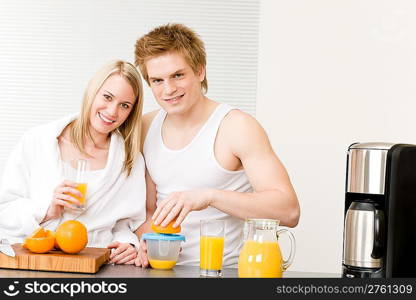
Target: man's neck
(196, 114)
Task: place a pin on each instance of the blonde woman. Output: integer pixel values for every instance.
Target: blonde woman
(106, 132)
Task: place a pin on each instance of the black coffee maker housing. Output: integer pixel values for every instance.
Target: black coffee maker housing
(380, 211)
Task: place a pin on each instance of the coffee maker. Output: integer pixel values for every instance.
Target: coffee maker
(380, 211)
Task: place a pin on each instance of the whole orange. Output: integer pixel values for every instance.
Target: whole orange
(168, 229)
(71, 236)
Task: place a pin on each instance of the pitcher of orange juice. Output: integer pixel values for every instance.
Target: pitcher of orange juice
(261, 255)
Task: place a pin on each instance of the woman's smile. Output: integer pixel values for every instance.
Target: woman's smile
(106, 120)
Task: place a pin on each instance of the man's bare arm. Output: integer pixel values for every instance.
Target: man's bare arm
(273, 196)
(150, 186)
(150, 206)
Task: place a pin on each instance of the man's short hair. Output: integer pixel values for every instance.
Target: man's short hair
(171, 38)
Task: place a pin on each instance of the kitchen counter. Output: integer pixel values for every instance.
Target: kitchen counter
(129, 271)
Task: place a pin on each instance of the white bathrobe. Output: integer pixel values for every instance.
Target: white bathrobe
(115, 206)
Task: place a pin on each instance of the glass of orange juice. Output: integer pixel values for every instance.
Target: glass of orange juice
(211, 245)
(76, 171)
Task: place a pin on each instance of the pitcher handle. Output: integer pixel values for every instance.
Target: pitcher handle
(288, 262)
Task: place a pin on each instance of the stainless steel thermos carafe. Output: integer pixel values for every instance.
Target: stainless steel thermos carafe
(363, 236)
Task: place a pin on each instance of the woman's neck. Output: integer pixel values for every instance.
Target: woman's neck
(97, 140)
(93, 141)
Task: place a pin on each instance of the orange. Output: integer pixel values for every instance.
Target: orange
(38, 233)
(168, 229)
(71, 236)
(53, 234)
(39, 245)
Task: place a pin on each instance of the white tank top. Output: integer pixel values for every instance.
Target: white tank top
(195, 167)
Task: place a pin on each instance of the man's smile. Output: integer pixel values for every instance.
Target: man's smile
(173, 99)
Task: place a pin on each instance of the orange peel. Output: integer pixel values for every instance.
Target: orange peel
(169, 229)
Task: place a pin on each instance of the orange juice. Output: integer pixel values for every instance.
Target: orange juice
(260, 259)
(162, 264)
(211, 252)
(82, 187)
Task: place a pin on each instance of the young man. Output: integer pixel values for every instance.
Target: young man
(205, 160)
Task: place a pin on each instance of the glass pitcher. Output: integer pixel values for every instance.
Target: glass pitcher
(261, 255)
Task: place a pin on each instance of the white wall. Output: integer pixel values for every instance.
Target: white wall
(333, 72)
(49, 50)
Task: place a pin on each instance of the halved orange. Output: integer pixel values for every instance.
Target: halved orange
(53, 234)
(38, 233)
(168, 229)
(40, 245)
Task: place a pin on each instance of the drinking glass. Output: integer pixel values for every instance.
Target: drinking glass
(75, 171)
(211, 247)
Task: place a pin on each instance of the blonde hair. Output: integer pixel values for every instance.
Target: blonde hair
(130, 130)
(171, 38)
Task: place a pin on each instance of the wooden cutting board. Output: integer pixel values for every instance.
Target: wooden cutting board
(88, 260)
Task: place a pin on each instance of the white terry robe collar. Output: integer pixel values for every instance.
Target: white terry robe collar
(112, 172)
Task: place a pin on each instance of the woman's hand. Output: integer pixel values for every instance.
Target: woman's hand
(62, 199)
(142, 259)
(123, 253)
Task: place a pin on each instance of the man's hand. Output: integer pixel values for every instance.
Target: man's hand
(123, 253)
(142, 259)
(179, 204)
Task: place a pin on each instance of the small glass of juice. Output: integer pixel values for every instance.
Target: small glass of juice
(76, 171)
(211, 245)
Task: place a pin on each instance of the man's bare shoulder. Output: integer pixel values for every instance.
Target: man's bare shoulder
(239, 120)
(241, 131)
(147, 119)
